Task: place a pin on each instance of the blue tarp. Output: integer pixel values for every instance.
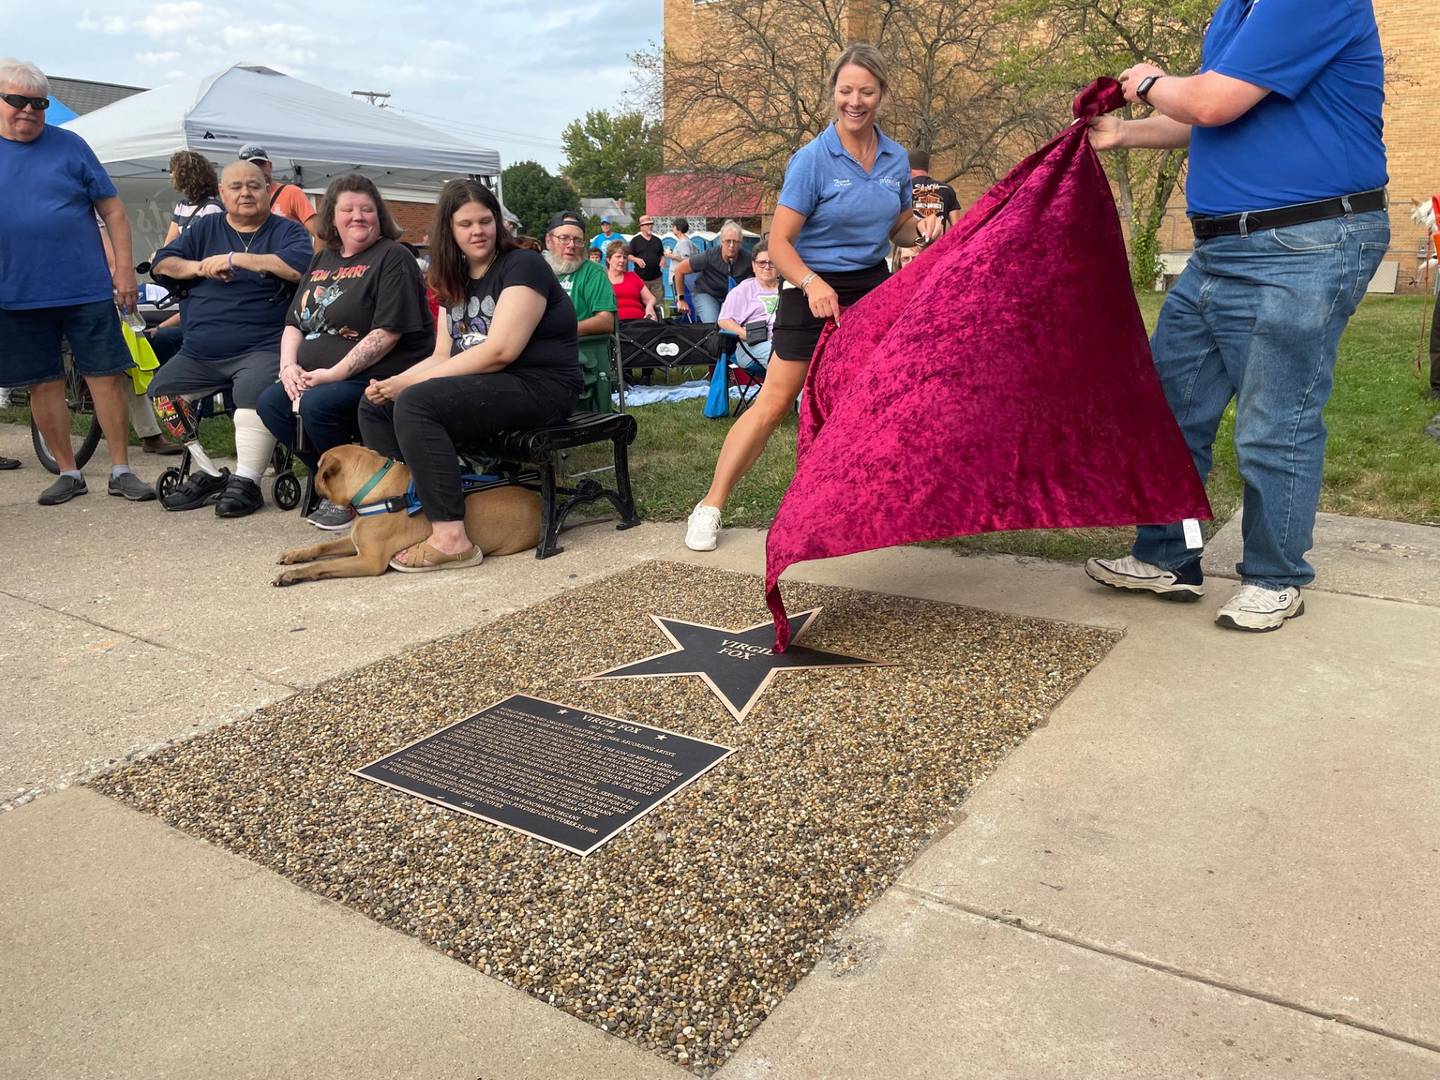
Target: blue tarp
(59, 112)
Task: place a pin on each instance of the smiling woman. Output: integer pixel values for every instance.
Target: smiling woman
(845, 198)
(359, 314)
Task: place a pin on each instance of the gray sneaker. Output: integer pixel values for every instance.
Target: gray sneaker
(129, 486)
(330, 517)
(63, 490)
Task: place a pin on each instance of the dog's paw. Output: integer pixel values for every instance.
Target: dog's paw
(287, 578)
(287, 559)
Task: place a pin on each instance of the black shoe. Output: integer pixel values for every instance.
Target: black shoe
(8, 463)
(129, 486)
(63, 490)
(242, 498)
(200, 490)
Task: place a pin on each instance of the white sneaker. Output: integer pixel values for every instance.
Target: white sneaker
(1185, 583)
(1257, 609)
(702, 532)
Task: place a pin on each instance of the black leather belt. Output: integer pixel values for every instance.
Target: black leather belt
(1281, 216)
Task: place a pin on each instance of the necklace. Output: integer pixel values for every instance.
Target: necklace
(866, 158)
(471, 271)
(240, 237)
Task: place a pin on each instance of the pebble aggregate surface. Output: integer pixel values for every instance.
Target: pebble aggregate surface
(687, 929)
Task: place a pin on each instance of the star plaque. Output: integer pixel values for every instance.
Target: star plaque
(736, 664)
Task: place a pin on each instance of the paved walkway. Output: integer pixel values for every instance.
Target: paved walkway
(1220, 858)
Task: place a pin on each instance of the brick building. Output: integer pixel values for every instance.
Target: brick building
(1411, 39)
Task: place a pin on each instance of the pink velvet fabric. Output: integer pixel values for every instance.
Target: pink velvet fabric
(1001, 381)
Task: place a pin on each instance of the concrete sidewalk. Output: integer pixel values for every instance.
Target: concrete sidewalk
(1220, 857)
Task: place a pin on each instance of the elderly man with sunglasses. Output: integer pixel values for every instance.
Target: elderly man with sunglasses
(55, 284)
(238, 270)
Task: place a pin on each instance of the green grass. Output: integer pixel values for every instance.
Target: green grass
(1379, 462)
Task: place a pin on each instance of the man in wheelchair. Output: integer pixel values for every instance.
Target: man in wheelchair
(238, 272)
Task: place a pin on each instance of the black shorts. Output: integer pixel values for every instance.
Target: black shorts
(797, 331)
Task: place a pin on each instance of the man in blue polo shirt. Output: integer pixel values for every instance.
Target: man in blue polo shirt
(1286, 198)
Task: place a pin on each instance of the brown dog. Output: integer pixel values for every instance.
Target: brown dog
(501, 521)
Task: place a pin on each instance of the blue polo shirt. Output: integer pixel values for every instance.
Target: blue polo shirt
(1317, 134)
(50, 250)
(848, 212)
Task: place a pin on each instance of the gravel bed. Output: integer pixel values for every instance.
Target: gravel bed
(687, 929)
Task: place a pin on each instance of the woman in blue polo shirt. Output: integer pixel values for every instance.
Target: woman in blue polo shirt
(845, 199)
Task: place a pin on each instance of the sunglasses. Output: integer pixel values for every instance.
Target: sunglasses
(763, 264)
(19, 101)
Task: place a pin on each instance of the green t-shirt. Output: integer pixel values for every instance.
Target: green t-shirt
(590, 292)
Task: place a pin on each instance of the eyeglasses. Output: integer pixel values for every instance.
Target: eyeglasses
(570, 241)
(19, 101)
(766, 265)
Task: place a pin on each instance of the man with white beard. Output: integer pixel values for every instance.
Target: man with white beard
(592, 295)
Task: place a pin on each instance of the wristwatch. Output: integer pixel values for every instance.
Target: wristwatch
(1143, 90)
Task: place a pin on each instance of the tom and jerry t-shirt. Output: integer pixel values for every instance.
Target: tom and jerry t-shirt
(339, 301)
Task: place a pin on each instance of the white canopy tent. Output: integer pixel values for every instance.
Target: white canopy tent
(312, 135)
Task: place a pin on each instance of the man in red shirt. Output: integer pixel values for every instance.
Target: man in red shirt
(286, 199)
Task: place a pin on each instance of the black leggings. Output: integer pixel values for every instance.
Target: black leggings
(423, 426)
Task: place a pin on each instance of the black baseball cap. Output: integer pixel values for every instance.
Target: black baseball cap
(565, 217)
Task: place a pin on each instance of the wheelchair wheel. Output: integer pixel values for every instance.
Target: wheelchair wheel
(286, 491)
(167, 482)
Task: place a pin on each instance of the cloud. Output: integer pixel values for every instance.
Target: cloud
(110, 24)
(556, 62)
(171, 20)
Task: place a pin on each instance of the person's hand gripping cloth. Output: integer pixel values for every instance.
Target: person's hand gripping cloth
(1000, 381)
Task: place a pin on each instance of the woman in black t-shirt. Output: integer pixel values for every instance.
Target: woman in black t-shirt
(359, 314)
(506, 358)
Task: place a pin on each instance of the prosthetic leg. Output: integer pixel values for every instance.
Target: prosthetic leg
(178, 417)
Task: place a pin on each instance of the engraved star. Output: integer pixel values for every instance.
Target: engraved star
(736, 664)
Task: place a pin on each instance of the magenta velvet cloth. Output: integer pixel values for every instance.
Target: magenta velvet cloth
(1000, 381)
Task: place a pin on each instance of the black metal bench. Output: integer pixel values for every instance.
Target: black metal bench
(545, 447)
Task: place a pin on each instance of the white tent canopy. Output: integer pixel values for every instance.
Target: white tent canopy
(305, 128)
(311, 134)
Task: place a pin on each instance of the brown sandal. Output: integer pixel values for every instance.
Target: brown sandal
(426, 559)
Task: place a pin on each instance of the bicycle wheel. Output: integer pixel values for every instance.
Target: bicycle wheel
(77, 399)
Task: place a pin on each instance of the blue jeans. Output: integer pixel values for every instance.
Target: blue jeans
(707, 308)
(1258, 318)
(328, 413)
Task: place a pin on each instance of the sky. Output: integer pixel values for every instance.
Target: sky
(505, 74)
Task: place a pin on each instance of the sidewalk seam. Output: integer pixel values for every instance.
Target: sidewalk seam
(1016, 922)
(133, 636)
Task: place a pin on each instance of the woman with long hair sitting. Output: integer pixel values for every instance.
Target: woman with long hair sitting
(506, 358)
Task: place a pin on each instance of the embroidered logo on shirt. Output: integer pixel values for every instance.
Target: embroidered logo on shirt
(890, 182)
(841, 181)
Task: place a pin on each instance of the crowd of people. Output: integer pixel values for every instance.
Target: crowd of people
(323, 329)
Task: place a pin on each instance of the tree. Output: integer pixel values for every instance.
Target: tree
(1076, 40)
(532, 194)
(610, 155)
(752, 87)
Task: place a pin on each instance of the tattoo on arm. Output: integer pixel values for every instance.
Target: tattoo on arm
(369, 351)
